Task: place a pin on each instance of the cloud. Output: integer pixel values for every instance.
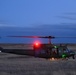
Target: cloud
(67, 17)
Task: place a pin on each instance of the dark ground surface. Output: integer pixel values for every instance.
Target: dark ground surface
(11, 64)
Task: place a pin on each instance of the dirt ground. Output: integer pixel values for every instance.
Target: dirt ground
(11, 64)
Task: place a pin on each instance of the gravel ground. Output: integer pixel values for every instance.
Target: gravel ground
(11, 64)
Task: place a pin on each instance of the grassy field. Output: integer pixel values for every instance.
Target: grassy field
(11, 64)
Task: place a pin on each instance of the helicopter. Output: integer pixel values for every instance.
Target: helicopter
(46, 51)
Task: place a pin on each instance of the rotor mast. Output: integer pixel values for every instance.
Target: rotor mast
(49, 38)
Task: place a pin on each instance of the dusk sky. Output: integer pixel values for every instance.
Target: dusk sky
(37, 12)
(46, 17)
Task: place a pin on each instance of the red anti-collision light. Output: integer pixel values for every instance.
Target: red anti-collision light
(37, 44)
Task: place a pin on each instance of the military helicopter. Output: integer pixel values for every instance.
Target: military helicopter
(44, 50)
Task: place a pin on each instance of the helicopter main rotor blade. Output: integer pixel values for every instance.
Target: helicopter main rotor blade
(50, 37)
(32, 36)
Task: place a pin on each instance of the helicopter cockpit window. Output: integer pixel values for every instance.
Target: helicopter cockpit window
(53, 49)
